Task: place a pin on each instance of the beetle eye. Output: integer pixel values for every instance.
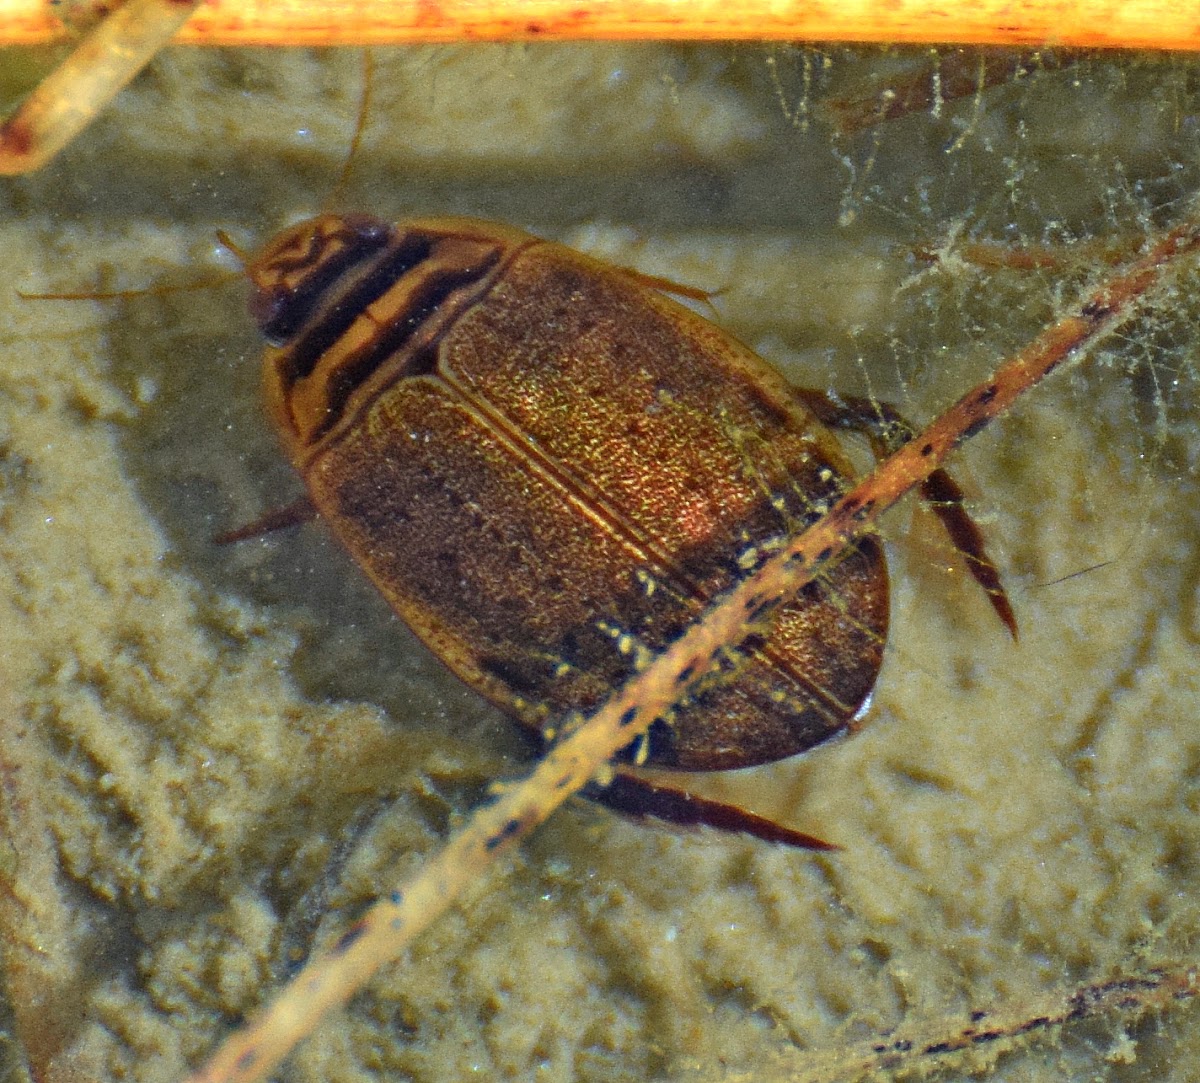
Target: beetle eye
(270, 310)
(368, 231)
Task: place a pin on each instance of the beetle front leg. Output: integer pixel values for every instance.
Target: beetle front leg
(888, 430)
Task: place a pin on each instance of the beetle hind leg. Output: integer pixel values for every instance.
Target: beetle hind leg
(632, 795)
(887, 430)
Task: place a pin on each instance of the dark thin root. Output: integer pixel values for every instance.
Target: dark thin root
(360, 125)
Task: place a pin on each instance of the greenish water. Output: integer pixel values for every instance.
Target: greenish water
(214, 757)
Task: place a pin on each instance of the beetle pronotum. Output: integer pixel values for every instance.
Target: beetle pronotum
(790, 886)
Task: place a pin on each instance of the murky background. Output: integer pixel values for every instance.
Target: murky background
(213, 757)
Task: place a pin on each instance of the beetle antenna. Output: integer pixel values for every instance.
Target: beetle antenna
(360, 124)
(226, 241)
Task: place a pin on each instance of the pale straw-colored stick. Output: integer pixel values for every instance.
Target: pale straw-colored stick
(100, 67)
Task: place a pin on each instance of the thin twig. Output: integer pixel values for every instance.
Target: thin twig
(329, 981)
(939, 1044)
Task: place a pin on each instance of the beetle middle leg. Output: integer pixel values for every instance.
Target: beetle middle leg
(887, 430)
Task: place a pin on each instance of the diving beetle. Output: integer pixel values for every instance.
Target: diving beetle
(549, 467)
